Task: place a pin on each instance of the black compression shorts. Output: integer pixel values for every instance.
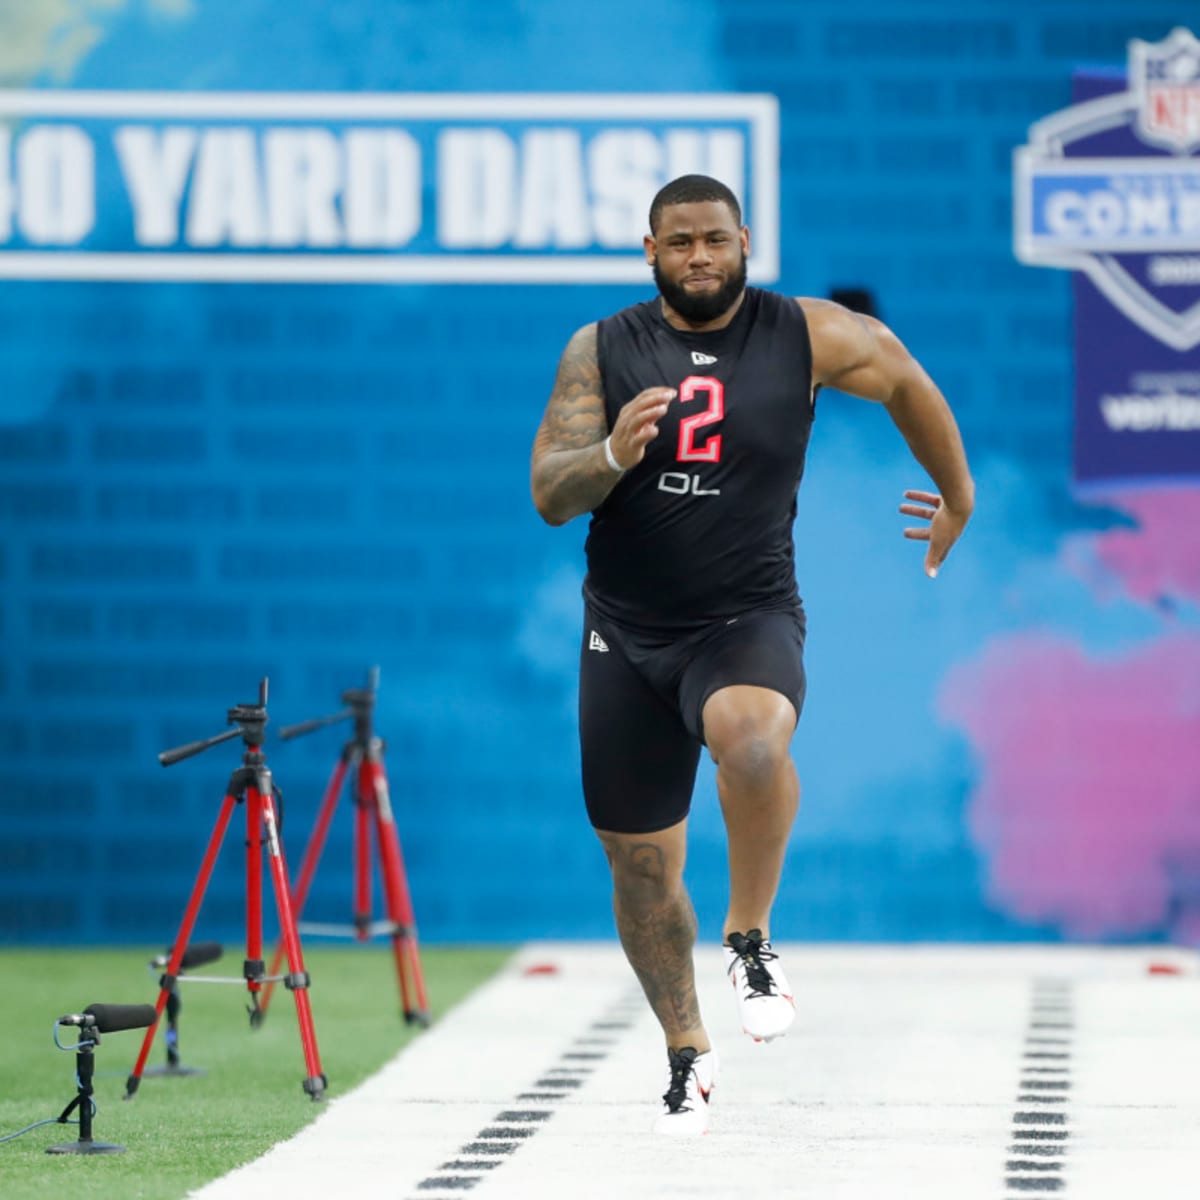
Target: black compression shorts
(641, 701)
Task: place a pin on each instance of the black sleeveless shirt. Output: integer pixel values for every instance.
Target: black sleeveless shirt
(701, 528)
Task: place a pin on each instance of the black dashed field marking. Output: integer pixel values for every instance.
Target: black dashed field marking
(1040, 1136)
(510, 1128)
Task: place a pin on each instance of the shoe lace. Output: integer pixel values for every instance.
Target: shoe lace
(753, 954)
(682, 1064)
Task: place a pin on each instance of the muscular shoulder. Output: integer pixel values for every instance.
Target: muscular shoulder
(582, 344)
(833, 322)
(841, 339)
(578, 368)
(575, 413)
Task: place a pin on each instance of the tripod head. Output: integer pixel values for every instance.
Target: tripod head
(360, 706)
(250, 719)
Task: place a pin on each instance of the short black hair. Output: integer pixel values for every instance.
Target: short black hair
(692, 189)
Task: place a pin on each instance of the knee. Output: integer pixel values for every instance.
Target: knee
(749, 735)
(751, 757)
(644, 878)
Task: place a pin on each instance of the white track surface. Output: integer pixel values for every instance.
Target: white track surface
(911, 1072)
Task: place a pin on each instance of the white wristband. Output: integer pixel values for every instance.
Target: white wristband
(610, 457)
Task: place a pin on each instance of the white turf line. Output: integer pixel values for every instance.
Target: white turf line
(899, 1079)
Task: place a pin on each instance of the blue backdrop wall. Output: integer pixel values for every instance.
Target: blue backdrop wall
(205, 483)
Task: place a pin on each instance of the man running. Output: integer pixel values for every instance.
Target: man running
(681, 425)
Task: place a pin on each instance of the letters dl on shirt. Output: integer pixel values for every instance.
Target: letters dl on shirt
(457, 188)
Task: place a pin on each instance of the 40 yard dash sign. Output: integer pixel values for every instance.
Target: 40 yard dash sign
(422, 188)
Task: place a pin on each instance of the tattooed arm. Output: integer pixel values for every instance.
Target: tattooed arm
(571, 472)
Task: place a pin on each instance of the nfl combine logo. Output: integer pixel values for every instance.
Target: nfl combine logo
(1111, 187)
(1166, 79)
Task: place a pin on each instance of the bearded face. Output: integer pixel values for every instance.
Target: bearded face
(698, 256)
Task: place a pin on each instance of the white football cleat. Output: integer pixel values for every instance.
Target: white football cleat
(764, 998)
(684, 1111)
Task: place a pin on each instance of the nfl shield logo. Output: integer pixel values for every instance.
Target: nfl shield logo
(1128, 216)
(1165, 77)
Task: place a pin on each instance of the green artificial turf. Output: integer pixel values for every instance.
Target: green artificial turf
(180, 1132)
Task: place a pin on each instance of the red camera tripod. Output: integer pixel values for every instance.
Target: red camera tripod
(251, 783)
(363, 755)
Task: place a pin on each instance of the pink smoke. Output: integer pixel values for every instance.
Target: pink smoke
(1161, 557)
(1089, 787)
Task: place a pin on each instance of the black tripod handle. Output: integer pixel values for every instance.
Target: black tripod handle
(167, 757)
(294, 731)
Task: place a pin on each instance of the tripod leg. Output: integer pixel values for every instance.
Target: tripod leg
(174, 1004)
(254, 968)
(363, 803)
(84, 1069)
(297, 979)
(182, 938)
(308, 864)
(399, 902)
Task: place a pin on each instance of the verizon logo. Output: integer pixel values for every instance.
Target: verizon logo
(1148, 414)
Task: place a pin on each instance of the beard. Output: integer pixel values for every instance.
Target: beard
(700, 308)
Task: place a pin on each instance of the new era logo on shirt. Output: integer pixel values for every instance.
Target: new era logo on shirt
(702, 360)
(596, 642)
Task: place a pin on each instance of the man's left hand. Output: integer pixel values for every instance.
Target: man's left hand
(944, 528)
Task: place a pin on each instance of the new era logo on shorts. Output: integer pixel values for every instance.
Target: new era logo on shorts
(596, 642)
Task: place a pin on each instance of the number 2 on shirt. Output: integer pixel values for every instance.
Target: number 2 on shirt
(694, 387)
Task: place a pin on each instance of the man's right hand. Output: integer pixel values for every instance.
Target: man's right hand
(637, 425)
